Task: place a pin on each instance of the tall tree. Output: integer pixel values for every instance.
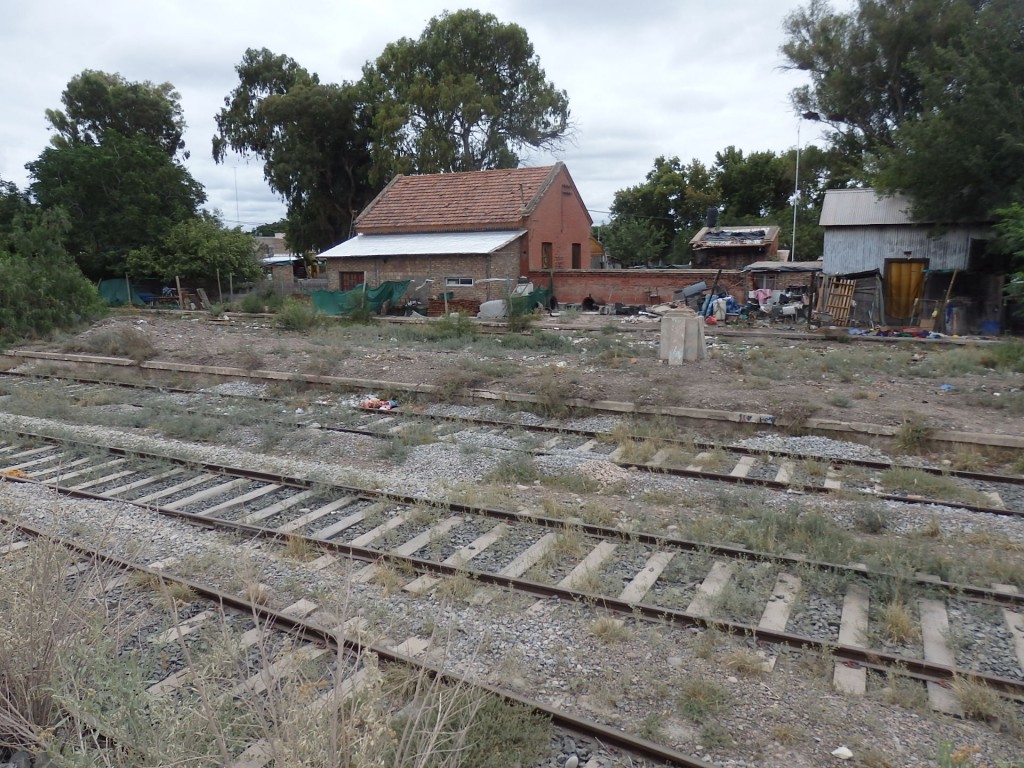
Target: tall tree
(314, 141)
(634, 241)
(120, 194)
(95, 102)
(865, 65)
(1010, 229)
(963, 157)
(468, 95)
(655, 201)
(753, 186)
(197, 248)
(13, 202)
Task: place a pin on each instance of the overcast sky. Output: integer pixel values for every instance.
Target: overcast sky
(644, 78)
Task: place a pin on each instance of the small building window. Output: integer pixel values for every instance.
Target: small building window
(577, 256)
(456, 281)
(546, 251)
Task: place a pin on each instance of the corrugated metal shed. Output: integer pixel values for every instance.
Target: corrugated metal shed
(851, 250)
(863, 207)
(432, 244)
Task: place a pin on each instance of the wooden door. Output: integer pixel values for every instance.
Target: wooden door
(904, 284)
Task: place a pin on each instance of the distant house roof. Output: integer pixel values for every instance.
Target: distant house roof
(424, 244)
(281, 258)
(476, 200)
(731, 237)
(784, 266)
(864, 207)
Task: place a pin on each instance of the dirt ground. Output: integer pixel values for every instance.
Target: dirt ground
(607, 358)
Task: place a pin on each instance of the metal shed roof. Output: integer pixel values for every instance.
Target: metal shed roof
(784, 266)
(435, 243)
(863, 207)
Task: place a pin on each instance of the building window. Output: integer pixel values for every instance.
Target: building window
(450, 282)
(349, 280)
(577, 256)
(546, 250)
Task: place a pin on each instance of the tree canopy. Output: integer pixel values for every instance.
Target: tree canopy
(963, 157)
(197, 248)
(469, 94)
(313, 139)
(95, 102)
(924, 97)
(121, 193)
(746, 189)
(41, 289)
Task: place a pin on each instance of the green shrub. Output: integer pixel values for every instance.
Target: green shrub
(263, 300)
(297, 316)
(43, 293)
(454, 326)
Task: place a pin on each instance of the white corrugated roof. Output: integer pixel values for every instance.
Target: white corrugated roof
(434, 243)
(281, 258)
(863, 207)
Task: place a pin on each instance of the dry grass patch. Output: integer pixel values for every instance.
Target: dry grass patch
(899, 623)
(609, 629)
(982, 703)
(699, 698)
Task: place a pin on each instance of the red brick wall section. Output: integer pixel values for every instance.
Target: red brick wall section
(436, 307)
(638, 286)
(561, 219)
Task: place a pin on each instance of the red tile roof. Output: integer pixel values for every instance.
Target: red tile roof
(477, 200)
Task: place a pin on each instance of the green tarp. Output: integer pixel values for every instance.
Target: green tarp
(523, 305)
(115, 293)
(346, 302)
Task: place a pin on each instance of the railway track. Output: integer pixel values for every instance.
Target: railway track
(305, 658)
(777, 601)
(704, 416)
(690, 457)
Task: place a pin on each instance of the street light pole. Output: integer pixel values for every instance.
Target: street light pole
(796, 178)
(796, 192)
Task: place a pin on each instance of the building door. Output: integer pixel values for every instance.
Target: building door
(904, 285)
(349, 280)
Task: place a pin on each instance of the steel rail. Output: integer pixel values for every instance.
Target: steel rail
(314, 632)
(982, 594)
(995, 478)
(870, 658)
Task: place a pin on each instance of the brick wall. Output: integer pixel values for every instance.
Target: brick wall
(637, 286)
(561, 219)
(417, 269)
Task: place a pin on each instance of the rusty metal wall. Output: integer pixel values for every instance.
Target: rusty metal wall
(849, 250)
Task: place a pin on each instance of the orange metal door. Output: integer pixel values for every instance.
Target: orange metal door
(904, 283)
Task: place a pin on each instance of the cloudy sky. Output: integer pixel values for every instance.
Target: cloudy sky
(644, 78)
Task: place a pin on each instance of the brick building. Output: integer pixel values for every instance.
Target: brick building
(470, 235)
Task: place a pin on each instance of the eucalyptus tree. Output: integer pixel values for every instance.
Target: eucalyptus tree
(468, 94)
(314, 141)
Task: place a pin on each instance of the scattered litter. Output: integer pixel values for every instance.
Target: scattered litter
(947, 387)
(843, 753)
(371, 403)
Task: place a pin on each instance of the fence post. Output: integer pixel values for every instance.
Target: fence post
(181, 300)
(220, 294)
(128, 285)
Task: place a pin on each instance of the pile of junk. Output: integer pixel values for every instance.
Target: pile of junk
(719, 306)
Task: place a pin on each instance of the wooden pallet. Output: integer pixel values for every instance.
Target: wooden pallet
(839, 300)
